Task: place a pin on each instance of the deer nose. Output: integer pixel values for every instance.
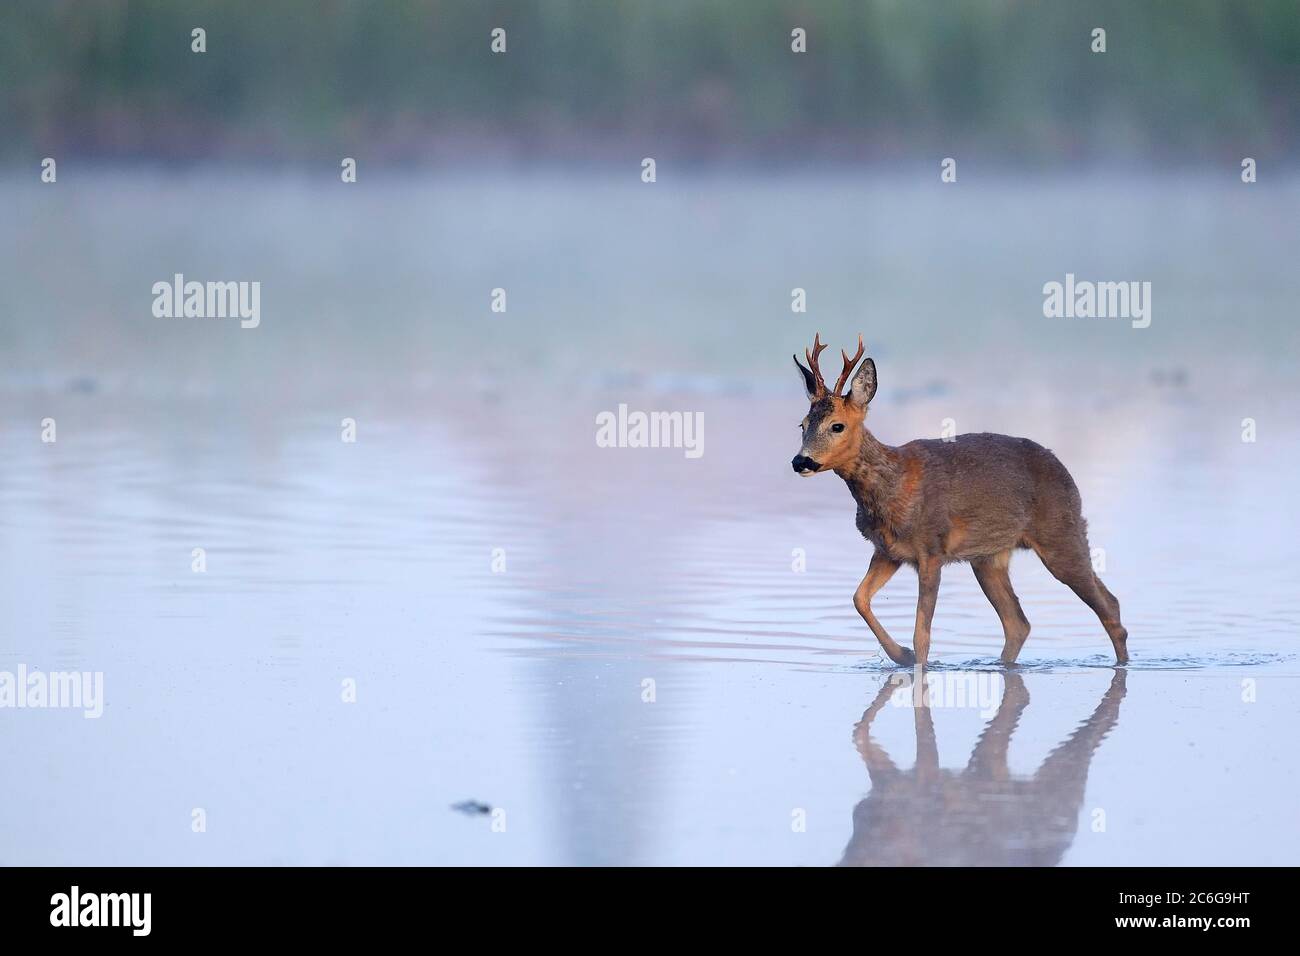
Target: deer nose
(802, 463)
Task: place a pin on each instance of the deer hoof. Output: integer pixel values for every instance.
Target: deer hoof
(906, 658)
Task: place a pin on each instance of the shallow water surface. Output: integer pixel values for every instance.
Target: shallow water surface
(631, 656)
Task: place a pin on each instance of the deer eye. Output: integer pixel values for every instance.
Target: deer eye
(837, 427)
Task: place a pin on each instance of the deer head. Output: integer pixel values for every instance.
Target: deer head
(832, 430)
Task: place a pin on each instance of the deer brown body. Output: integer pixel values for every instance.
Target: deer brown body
(931, 502)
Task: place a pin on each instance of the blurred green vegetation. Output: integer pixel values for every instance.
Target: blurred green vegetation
(1010, 80)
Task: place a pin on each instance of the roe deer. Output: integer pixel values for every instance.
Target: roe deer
(931, 502)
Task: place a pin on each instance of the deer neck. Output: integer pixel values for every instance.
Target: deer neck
(874, 476)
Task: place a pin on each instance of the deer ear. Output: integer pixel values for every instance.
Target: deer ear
(863, 389)
(809, 383)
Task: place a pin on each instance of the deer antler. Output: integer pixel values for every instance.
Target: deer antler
(848, 365)
(817, 350)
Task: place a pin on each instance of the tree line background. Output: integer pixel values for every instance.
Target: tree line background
(701, 80)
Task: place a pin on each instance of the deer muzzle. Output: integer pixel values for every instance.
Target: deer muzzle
(805, 465)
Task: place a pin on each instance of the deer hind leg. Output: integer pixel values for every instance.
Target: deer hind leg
(880, 571)
(1071, 564)
(1117, 632)
(995, 580)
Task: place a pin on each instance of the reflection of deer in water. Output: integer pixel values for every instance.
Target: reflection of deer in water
(979, 816)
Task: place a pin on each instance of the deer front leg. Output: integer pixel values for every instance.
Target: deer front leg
(880, 571)
(927, 571)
